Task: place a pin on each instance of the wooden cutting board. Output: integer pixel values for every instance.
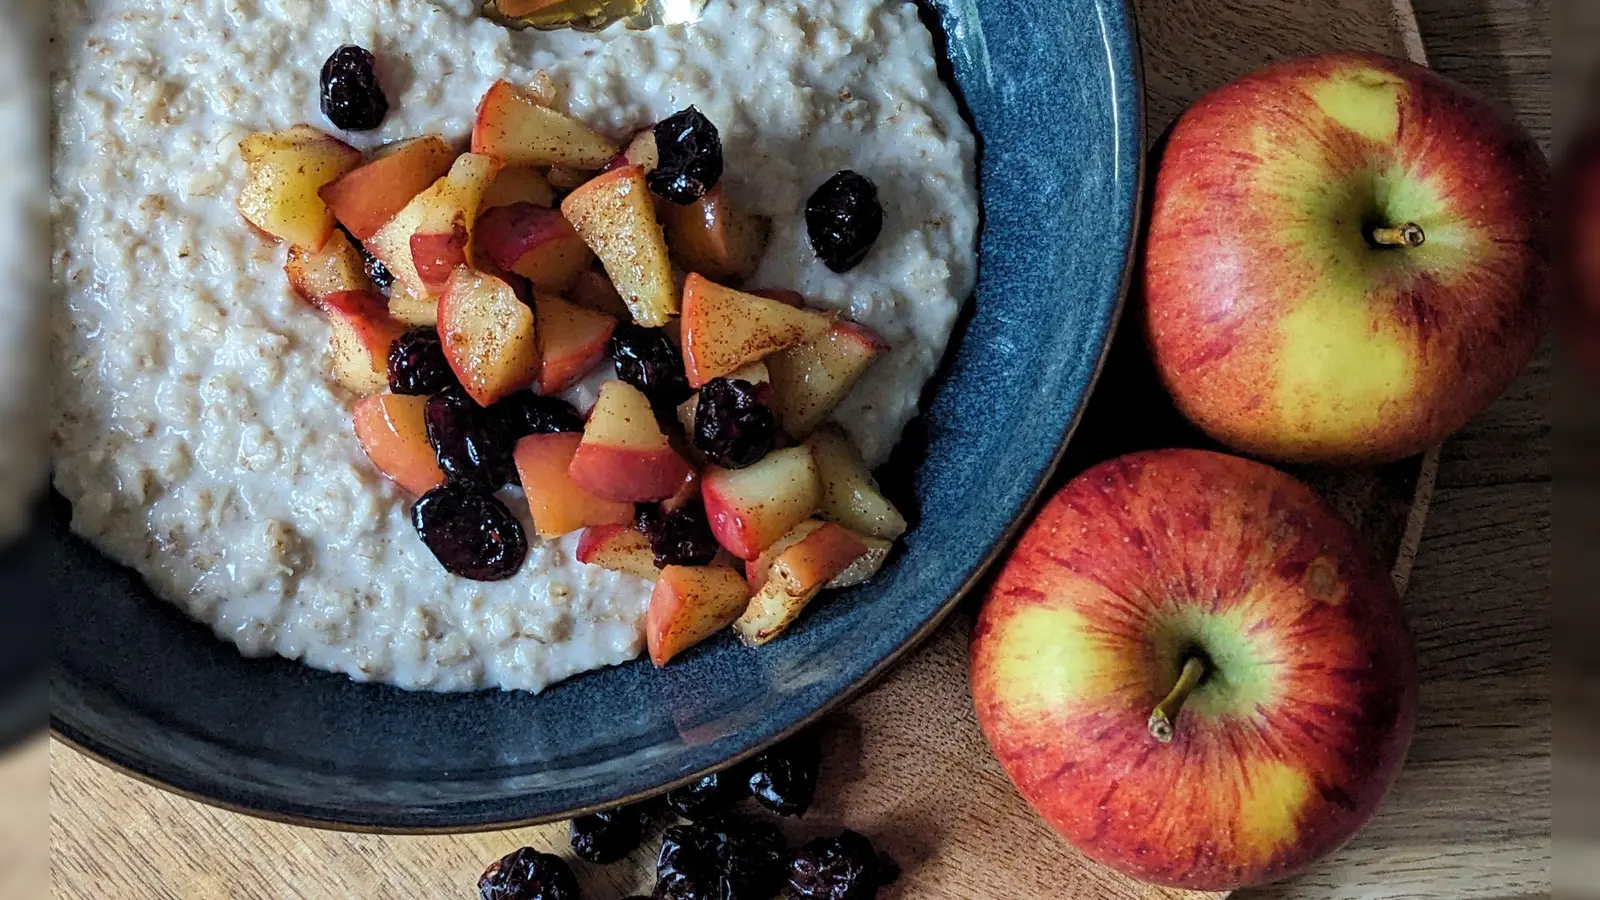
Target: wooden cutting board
(905, 762)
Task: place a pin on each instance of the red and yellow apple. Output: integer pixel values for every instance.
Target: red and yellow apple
(572, 341)
(363, 334)
(715, 238)
(534, 242)
(367, 198)
(559, 506)
(513, 126)
(392, 430)
(751, 509)
(620, 548)
(725, 330)
(1195, 670)
(490, 336)
(337, 267)
(690, 604)
(796, 574)
(624, 456)
(1347, 259)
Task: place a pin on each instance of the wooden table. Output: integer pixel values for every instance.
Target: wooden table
(1469, 818)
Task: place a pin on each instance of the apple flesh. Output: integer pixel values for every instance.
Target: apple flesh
(518, 184)
(536, 243)
(1195, 671)
(725, 330)
(557, 504)
(811, 380)
(620, 548)
(363, 334)
(750, 509)
(337, 267)
(437, 216)
(624, 455)
(850, 495)
(1347, 259)
(616, 216)
(391, 428)
(572, 341)
(593, 289)
(514, 127)
(795, 576)
(365, 199)
(714, 238)
(689, 605)
(489, 335)
(284, 173)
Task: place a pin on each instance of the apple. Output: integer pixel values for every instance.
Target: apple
(593, 288)
(690, 604)
(784, 296)
(284, 171)
(859, 571)
(337, 267)
(1347, 259)
(392, 430)
(514, 127)
(850, 495)
(642, 151)
(363, 334)
(750, 509)
(713, 237)
(536, 243)
(518, 184)
(572, 340)
(366, 198)
(624, 455)
(558, 505)
(489, 335)
(438, 216)
(795, 576)
(412, 308)
(1195, 670)
(616, 216)
(620, 548)
(809, 381)
(1578, 259)
(725, 330)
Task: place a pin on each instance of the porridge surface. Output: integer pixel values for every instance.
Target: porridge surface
(196, 431)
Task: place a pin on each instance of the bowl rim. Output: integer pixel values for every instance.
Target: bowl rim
(1131, 113)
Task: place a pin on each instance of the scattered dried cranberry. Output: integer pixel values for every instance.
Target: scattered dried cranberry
(528, 875)
(647, 359)
(784, 779)
(840, 868)
(467, 441)
(470, 532)
(689, 152)
(417, 365)
(752, 858)
(844, 218)
(352, 99)
(525, 413)
(687, 867)
(732, 427)
(709, 796)
(679, 538)
(609, 835)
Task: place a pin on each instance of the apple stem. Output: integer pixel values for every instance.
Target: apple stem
(1194, 669)
(1408, 235)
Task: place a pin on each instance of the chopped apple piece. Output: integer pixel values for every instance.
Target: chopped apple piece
(690, 604)
(858, 572)
(616, 216)
(514, 127)
(795, 577)
(363, 333)
(559, 506)
(850, 495)
(624, 455)
(518, 184)
(411, 308)
(714, 238)
(337, 267)
(284, 171)
(536, 243)
(642, 151)
(489, 336)
(437, 256)
(391, 429)
(572, 340)
(725, 330)
(620, 548)
(566, 178)
(367, 198)
(688, 492)
(810, 380)
(592, 288)
(751, 509)
(866, 566)
(786, 297)
(449, 204)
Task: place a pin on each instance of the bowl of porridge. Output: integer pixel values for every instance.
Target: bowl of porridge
(458, 425)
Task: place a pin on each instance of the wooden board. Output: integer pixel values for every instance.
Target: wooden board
(906, 763)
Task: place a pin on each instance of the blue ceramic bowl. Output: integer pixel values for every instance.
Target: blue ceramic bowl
(1053, 90)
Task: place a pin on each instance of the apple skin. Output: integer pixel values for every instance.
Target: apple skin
(1277, 327)
(1300, 728)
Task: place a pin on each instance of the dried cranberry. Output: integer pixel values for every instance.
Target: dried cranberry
(784, 779)
(689, 157)
(525, 413)
(467, 441)
(732, 427)
(352, 98)
(687, 868)
(647, 359)
(752, 858)
(528, 874)
(840, 868)
(470, 532)
(844, 218)
(417, 365)
(610, 834)
(708, 796)
(679, 538)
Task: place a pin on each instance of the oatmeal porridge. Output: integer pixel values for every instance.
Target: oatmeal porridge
(198, 434)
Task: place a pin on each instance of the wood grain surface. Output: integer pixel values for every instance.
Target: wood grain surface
(1469, 818)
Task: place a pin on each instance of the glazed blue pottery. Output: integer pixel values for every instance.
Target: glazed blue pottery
(1053, 90)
